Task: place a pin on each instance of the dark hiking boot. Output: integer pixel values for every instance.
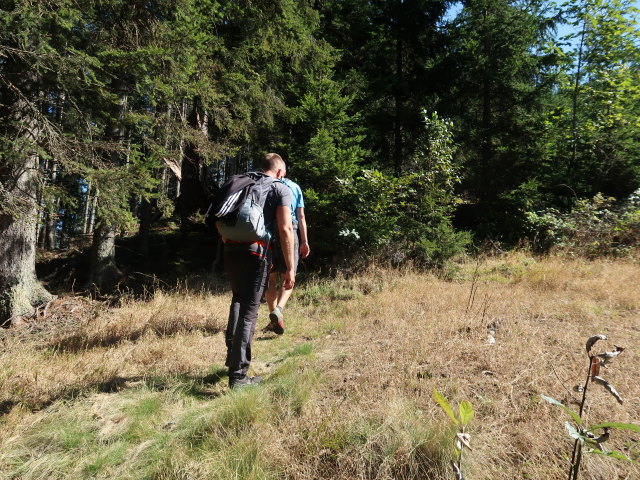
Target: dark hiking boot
(277, 321)
(237, 383)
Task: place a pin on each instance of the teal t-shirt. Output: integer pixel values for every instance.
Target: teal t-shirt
(297, 200)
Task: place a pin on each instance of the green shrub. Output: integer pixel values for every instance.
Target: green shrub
(408, 218)
(595, 227)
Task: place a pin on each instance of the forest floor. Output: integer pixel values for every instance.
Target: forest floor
(138, 390)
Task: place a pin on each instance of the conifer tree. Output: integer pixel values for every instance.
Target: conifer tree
(498, 64)
(388, 49)
(37, 58)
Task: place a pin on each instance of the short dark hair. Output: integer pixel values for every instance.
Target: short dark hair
(271, 162)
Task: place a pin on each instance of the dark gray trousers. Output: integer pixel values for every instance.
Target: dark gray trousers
(248, 275)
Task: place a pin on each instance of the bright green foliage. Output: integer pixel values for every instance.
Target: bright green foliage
(444, 403)
(325, 154)
(409, 217)
(466, 412)
(602, 98)
(462, 439)
(119, 91)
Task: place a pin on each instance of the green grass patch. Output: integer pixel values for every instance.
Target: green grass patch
(300, 350)
(108, 458)
(399, 444)
(293, 386)
(325, 292)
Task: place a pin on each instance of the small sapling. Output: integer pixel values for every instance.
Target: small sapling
(461, 419)
(591, 439)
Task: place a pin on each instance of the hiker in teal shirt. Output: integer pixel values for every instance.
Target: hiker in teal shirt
(277, 297)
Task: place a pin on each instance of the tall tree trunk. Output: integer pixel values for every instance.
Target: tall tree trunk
(192, 197)
(486, 150)
(41, 230)
(145, 226)
(574, 104)
(94, 212)
(104, 270)
(52, 220)
(52, 212)
(398, 93)
(20, 291)
(86, 210)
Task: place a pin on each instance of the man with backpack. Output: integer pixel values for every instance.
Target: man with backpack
(250, 208)
(277, 296)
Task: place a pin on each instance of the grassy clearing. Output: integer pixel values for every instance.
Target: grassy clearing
(139, 391)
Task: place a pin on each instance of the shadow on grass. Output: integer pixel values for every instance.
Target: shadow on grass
(200, 387)
(190, 385)
(78, 341)
(265, 338)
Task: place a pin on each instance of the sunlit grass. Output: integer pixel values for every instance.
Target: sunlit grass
(347, 390)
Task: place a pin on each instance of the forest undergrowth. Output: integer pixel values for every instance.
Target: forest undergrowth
(139, 390)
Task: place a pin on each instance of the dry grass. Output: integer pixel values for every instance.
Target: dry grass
(136, 391)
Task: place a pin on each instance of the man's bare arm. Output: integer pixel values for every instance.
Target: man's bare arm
(285, 229)
(305, 250)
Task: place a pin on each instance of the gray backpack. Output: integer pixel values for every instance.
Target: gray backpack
(246, 223)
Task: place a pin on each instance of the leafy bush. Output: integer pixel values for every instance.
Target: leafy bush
(409, 217)
(596, 226)
(369, 212)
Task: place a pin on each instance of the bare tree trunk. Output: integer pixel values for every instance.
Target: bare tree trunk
(145, 226)
(104, 269)
(41, 229)
(94, 212)
(486, 147)
(574, 104)
(52, 213)
(86, 210)
(20, 291)
(52, 220)
(398, 93)
(192, 197)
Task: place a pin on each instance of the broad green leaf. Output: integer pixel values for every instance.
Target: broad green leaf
(614, 454)
(466, 412)
(573, 431)
(442, 401)
(553, 401)
(619, 426)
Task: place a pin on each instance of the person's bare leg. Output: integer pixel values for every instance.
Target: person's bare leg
(271, 293)
(283, 296)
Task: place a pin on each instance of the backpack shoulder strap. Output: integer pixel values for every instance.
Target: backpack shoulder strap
(262, 188)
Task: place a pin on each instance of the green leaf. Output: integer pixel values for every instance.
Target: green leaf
(614, 454)
(619, 426)
(553, 401)
(442, 401)
(466, 412)
(573, 431)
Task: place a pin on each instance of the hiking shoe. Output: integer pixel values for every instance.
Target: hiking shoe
(277, 321)
(237, 383)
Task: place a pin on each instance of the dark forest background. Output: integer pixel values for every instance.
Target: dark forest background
(418, 129)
